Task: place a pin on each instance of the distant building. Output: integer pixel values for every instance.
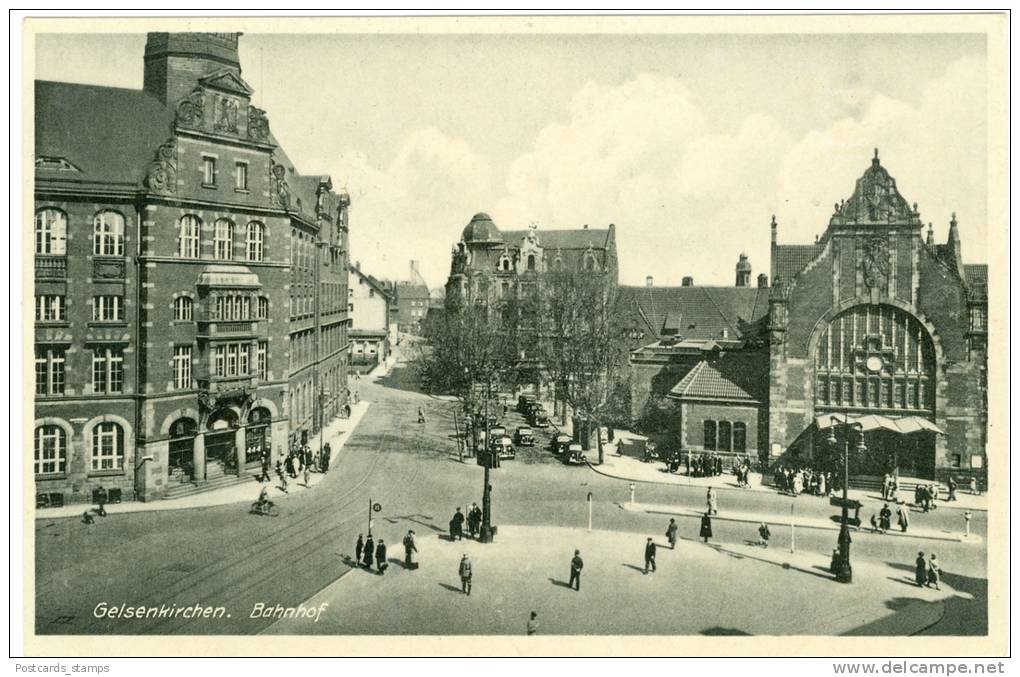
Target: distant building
(190, 284)
(370, 311)
(412, 301)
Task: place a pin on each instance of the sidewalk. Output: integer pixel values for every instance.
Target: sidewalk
(635, 470)
(336, 433)
(803, 521)
(698, 589)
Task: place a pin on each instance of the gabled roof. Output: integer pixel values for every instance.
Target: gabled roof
(109, 134)
(699, 313)
(412, 291)
(577, 238)
(706, 381)
(792, 258)
(977, 274)
(375, 283)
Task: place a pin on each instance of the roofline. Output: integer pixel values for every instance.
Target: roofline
(715, 400)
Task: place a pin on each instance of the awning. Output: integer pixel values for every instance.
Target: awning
(869, 422)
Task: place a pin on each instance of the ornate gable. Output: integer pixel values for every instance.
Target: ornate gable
(226, 81)
(875, 200)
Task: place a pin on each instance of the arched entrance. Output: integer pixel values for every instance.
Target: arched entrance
(182, 449)
(220, 441)
(879, 359)
(256, 434)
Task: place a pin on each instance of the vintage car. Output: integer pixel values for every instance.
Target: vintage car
(538, 418)
(574, 455)
(497, 431)
(525, 436)
(524, 403)
(503, 447)
(560, 443)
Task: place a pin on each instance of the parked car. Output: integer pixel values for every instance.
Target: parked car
(503, 447)
(538, 418)
(525, 436)
(497, 431)
(524, 402)
(574, 455)
(560, 443)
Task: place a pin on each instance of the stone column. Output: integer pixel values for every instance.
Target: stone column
(239, 448)
(198, 457)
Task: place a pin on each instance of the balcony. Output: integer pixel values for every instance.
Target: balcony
(227, 329)
(50, 267)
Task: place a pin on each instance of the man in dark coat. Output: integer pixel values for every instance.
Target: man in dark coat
(369, 551)
(359, 547)
(457, 526)
(920, 570)
(671, 533)
(380, 557)
(649, 555)
(101, 498)
(885, 518)
(706, 527)
(464, 571)
(576, 564)
(474, 520)
(952, 489)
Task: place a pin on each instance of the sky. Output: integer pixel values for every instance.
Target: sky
(687, 143)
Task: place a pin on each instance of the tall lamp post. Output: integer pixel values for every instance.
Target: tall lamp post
(844, 572)
(489, 457)
(323, 394)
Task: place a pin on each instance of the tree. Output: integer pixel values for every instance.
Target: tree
(580, 346)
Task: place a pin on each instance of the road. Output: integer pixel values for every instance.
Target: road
(221, 556)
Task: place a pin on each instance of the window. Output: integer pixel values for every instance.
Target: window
(979, 319)
(49, 371)
(223, 240)
(182, 367)
(232, 359)
(531, 262)
(107, 447)
(955, 461)
(208, 171)
(739, 437)
(255, 240)
(233, 308)
(107, 309)
(241, 176)
(183, 309)
(263, 308)
(724, 435)
(262, 361)
(107, 370)
(108, 228)
(187, 237)
(50, 450)
(49, 308)
(51, 232)
(710, 429)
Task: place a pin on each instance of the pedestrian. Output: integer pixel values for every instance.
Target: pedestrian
(264, 477)
(359, 547)
(380, 557)
(533, 623)
(86, 518)
(706, 527)
(308, 476)
(421, 414)
(671, 533)
(886, 484)
(966, 522)
(973, 486)
(410, 551)
(369, 553)
(474, 520)
(874, 523)
(712, 501)
(465, 574)
(763, 535)
(457, 526)
(885, 518)
(952, 490)
(324, 461)
(101, 498)
(920, 570)
(649, 555)
(576, 564)
(934, 572)
(902, 519)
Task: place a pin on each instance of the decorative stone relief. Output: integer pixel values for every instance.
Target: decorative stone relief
(162, 174)
(191, 109)
(258, 124)
(875, 262)
(226, 115)
(279, 191)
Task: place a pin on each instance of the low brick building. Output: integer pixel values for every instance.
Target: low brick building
(190, 284)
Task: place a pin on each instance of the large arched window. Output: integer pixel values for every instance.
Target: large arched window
(710, 437)
(223, 239)
(255, 241)
(875, 357)
(189, 228)
(50, 450)
(107, 446)
(108, 234)
(51, 232)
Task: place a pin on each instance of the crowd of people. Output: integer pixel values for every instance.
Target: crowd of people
(797, 481)
(369, 551)
(474, 523)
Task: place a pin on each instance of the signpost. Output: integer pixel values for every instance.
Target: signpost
(589, 511)
(372, 507)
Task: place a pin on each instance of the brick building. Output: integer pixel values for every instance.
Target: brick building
(190, 284)
(412, 301)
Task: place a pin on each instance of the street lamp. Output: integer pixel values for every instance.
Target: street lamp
(489, 456)
(844, 572)
(323, 394)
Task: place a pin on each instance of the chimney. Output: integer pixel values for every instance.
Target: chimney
(688, 281)
(763, 280)
(586, 226)
(414, 267)
(174, 62)
(649, 281)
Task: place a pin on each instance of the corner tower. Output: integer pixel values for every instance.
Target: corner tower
(174, 62)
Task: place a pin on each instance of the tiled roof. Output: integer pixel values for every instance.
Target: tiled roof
(706, 381)
(379, 286)
(577, 238)
(412, 291)
(698, 313)
(109, 134)
(977, 274)
(792, 258)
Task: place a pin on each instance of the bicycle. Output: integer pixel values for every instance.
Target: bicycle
(267, 509)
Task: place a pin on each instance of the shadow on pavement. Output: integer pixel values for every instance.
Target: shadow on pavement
(562, 584)
(451, 588)
(635, 568)
(415, 520)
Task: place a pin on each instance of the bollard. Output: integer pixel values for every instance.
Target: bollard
(632, 493)
(966, 519)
